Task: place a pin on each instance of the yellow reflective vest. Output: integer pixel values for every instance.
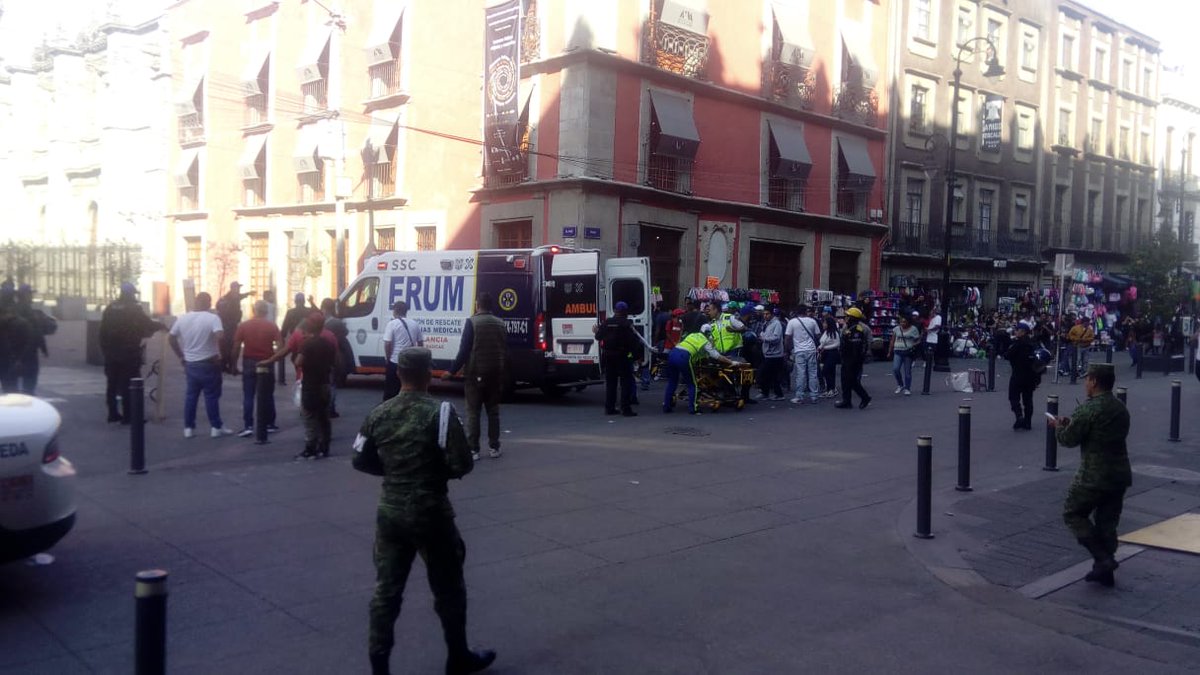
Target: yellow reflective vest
(725, 339)
(693, 344)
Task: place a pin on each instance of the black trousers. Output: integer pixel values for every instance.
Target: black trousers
(772, 375)
(618, 376)
(117, 375)
(852, 382)
(1020, 397)
(391, 380)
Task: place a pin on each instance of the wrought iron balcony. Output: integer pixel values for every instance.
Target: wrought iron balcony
(856, 103)
(531, 34)
(789, 84)
(674, 49)
(909, 237)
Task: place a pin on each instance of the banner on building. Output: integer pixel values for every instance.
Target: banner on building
(501, 78)
(993, 122)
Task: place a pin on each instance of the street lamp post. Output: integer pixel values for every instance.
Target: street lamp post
(994, 69)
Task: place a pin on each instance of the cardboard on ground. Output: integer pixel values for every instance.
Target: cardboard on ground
(1181, 533)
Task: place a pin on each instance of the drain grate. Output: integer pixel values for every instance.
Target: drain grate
(687, 431)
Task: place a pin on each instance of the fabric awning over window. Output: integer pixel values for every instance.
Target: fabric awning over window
(380, 47)
(862, 70)
(251, 76)
(248, 163)
(304, 159)
(377, 136)
(315, 50)
(790, 153)
(798, 47)
(690, 15)
(855, 159)
(187, 171)
(186, 103)
(677, 134)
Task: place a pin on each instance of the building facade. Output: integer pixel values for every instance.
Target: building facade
(1099, 178)
(85, 170)
(738, 141)
(1178, 181)
(294, 120)
(993, 229)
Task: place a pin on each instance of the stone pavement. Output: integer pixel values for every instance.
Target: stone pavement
(773, 540)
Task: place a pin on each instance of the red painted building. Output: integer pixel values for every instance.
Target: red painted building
(738, 140)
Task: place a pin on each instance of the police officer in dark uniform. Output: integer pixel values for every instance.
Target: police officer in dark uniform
(1025, 376)
(417, 444)
(855, 343)
(40, 326)
(15, 337)
(1100, 428)
(123, 326)
(618, 340)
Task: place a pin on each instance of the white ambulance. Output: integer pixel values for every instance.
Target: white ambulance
(549, 297)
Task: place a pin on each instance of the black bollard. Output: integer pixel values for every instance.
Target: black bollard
(1074, 363)
(1191, 358)
(1051, 439)
(137, 426)
(924, 486)
(1141, 361)
(1108, 353)
(1176, 390)
(264, 385)
(928, 370)
(964, 449)
(1122, 394)
(991, 369)
(150, 638)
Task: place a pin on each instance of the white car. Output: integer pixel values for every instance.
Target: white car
(37, 486)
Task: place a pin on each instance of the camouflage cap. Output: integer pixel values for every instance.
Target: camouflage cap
(415, 358)
(1100, 368)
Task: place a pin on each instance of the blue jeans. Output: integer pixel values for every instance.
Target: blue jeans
(202, 376)
(679, 367)
(805, 376)
(249, 384)
(902, 363)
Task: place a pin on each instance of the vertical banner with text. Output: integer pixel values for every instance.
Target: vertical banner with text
(993, 122)
(501, 78)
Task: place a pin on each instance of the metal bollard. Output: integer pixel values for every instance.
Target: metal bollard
(1167, 360)
(264, 385)
(1074, 364)
(1122, 394)
(991, 369)
(924, 486)
(137, 426)
(1141, 361)
(150, 638)
(1176, 391)
(964, 449)
(1191, 358)
(928, 371)
(1051, 439)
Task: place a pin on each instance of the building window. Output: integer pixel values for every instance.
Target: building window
(256, 87)
(965, 29)
(193, 260)
(187, 182)
(311, 185)
(855, 178)
(385, 238)
(922, 18)
(914, 201)
(1121, 216)
(260, 268)
(514, 234)
(959, 212)
(190, 109)
(785, 194)
(253, 165)
(1146, 149)
(1020, 224)
(314, 74)
(1095, 142)
(1147, 81)
(1029, 48)
(789, 77)
(675, 38)
(1099, 64)
(1127, 75)
(672, 145)
(1124, 143)
(788, 165)
(986, 202)
(383, 56)
(380, 155)
(1024, 130)
(427, 237)
(994, 34)
(1093, 208)
(917, 122)
(1062, 204)
(1065, 132)
(966, 121)
(1066, 56)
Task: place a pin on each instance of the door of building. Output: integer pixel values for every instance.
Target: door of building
(776, 266)
(661, 246)
(843, 272)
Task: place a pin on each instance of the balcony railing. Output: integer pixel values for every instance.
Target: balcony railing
(189, 199)
(383, 180)
(255, 111)
(674, 49)
(789, 84)
(673, 174)
(531, 34)
(191, 128)
(971, 242)
(385, 79)
(253, 193)
(316, 96)
(856, 103)
(909, 237)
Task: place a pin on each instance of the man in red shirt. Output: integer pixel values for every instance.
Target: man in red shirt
(256, 339)
(297, 338)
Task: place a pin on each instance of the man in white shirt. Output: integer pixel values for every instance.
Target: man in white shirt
(196, 338)
(933, 329)
(400, 334)
(803, 333)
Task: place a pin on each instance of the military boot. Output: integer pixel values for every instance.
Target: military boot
(469, 661)
(1104, 563)
(379, 664)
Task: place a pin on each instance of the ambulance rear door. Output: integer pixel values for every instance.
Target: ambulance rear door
(628, 280)
(571, 283)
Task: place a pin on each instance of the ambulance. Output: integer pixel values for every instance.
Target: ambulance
(549, 297)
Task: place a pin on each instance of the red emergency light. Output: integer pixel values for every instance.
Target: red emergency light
(381, 266)
(519, 263)
(555, 249)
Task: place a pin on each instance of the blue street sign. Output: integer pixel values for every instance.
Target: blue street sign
(591, 233)
(570, 231)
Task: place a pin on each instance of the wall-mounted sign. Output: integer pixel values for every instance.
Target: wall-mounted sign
(993, 122)
(570, 231)
(591, 233)
(712, 282)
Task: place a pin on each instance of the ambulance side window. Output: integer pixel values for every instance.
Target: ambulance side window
(630, 291)
(360, 301)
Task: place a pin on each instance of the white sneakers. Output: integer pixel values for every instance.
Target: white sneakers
(475, 456)
(189, 432)
(907, 392)
(222, 431)
(494, 453)
(898, 390)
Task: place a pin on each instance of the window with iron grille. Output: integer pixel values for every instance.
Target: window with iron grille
(382, 173)
(254, 190)
(191, 114)
(786, 194)
(193, 259)
(315, 93)
(426, 236)
(851, 197)
(385, 238)
(669, 173)
(312, 185)
(1020, 224)
(257, 93)
(677, 43)
(514, 234)
(260, 268)
(986, 198)
(914, 201)
(916, 113)
(188, 195)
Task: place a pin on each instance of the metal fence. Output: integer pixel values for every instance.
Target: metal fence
(90, 272)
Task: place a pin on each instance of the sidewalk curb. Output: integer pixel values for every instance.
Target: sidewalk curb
(941, 557)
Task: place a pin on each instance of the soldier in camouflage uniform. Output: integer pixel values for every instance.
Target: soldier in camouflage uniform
(1099, 427)
(417, 445)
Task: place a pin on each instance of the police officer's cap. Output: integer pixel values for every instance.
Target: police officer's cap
(415, 358)
(1100, 369)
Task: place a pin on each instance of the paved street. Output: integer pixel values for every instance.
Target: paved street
(774, 540)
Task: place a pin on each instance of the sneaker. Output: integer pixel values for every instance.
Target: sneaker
(494, 453)
(304, 455)
(246, 433)
(796, 401)
(475, 455)
(189, 432)
(218, 432)
(778, 398)
(898, 390)
(907, 392)
(271, 428)
(761, 397)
